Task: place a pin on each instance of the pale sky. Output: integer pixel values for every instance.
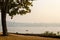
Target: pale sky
(43, 11)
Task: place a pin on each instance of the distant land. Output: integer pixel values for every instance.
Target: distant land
(16, 24)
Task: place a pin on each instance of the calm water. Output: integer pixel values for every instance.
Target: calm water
(33, 29)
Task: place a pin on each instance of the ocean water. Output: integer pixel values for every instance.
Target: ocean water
(34, 28)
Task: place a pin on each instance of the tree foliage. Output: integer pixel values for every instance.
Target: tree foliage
(13, 7)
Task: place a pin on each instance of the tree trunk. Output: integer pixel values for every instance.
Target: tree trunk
(3, 20)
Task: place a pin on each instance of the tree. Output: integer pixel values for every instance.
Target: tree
(13, 7)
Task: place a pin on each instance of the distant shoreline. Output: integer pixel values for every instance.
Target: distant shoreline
(40, 35)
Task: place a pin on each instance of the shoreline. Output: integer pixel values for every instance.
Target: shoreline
(39, 35)
(14, 36)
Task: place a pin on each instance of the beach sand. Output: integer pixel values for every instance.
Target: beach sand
(22, 37)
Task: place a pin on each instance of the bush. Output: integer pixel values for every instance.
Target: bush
(49, 34)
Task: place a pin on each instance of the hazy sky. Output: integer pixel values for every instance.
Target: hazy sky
(43, 11)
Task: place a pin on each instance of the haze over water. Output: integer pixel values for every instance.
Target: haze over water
(35, 28)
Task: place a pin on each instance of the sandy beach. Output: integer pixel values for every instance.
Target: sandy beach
(22, 37)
